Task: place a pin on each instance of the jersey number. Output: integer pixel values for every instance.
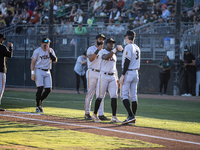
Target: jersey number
(137, 55)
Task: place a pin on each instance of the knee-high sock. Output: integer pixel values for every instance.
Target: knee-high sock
(38, 95)
(114, 106)
(134, 107)
(45, 93)
(97, 105)
(127, 106)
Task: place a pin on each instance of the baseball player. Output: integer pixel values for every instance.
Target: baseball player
(4, 52)
(108, 78)
(129, 78)
(40, 71)
(92, 75)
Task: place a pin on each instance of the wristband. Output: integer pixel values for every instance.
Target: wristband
(32, 72)
(114, 50)
(96, 52)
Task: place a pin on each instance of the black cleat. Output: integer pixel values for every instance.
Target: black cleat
(88, 117)
(129, 120)
(1, 109)
(103, 118)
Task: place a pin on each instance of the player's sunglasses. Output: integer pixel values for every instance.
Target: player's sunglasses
(46, 41)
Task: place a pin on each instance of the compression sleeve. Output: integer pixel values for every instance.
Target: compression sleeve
(126, 64)
(53, 58)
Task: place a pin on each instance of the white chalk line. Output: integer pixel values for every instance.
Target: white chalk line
(101, 128)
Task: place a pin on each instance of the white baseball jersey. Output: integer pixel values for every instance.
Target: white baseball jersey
(132, 52)
(95, 64)
(108, 66)
(42, 58)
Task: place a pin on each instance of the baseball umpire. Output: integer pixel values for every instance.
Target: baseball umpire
(40, 71)
(108, 78)
(129, 78)
(92, 75)
(4, 52)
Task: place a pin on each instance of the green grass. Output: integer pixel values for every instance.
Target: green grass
(44, 137)
(174, 115)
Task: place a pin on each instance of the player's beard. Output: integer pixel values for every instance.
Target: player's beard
(99, 43)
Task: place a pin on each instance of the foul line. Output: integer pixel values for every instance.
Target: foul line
(100, 128)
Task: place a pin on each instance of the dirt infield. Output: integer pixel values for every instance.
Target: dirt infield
(171, 140)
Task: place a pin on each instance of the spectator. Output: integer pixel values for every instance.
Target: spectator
(110, 27)
(197, 65)
(79, 16)
(40, 6)
(142, 6)
(55, 8)
(136, 23)
(127, 7)
(114, 14)
(96, 6)
(119, 4)
(73, 13)
(34, 18)
(156, 9)
(91, 20)
(108, 8)
(24, 5)
(69, 27)
(140, 17)
(79, 69)
(26, 16)
(132, 13)
(147, 17)
(103, 6)
(45, 20)
(118, 28)
(8, 18)
(164, 75)
(189, 62)
(120, 19)
(165, 12)
(163, 2)
(10, 8)
(31, 5)
(18, 5)
(189, 4)
(189, 17)
(80, 30)
(16, 16)
(46, 7)
(62, 29)
(61, 10)
(2, 21)
(3, 9)
(155, 17)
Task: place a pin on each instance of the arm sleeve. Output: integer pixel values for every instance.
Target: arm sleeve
(126, 64)
(8, 53)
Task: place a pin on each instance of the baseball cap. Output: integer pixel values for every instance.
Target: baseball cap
(186, 49)
(2, 36)
(46, 17)
(100, 35)
(164, 6)
(110, 40)
(46, 40)
(130, 33)
(84, 53)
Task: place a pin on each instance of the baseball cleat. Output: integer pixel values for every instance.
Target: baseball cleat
(103, 118)
(1, 109)
(39, 109)
(128, 120)
(88, 117)
(114, 119)
(95, 118)
(132, 123)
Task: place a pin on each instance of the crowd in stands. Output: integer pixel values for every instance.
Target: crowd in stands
(115, 13)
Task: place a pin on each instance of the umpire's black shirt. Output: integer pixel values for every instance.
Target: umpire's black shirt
(4, 52)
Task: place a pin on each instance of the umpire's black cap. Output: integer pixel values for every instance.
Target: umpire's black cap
(130, 33)
(46, 40)
(110, 40)
(100, 35)
(2, 36)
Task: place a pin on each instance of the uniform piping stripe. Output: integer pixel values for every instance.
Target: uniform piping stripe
(100, 87)
(121, 91)
(88, 90)
(33, 58)
(2, 81)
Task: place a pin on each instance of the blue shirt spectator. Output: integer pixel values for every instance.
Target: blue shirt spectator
(31, 5)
